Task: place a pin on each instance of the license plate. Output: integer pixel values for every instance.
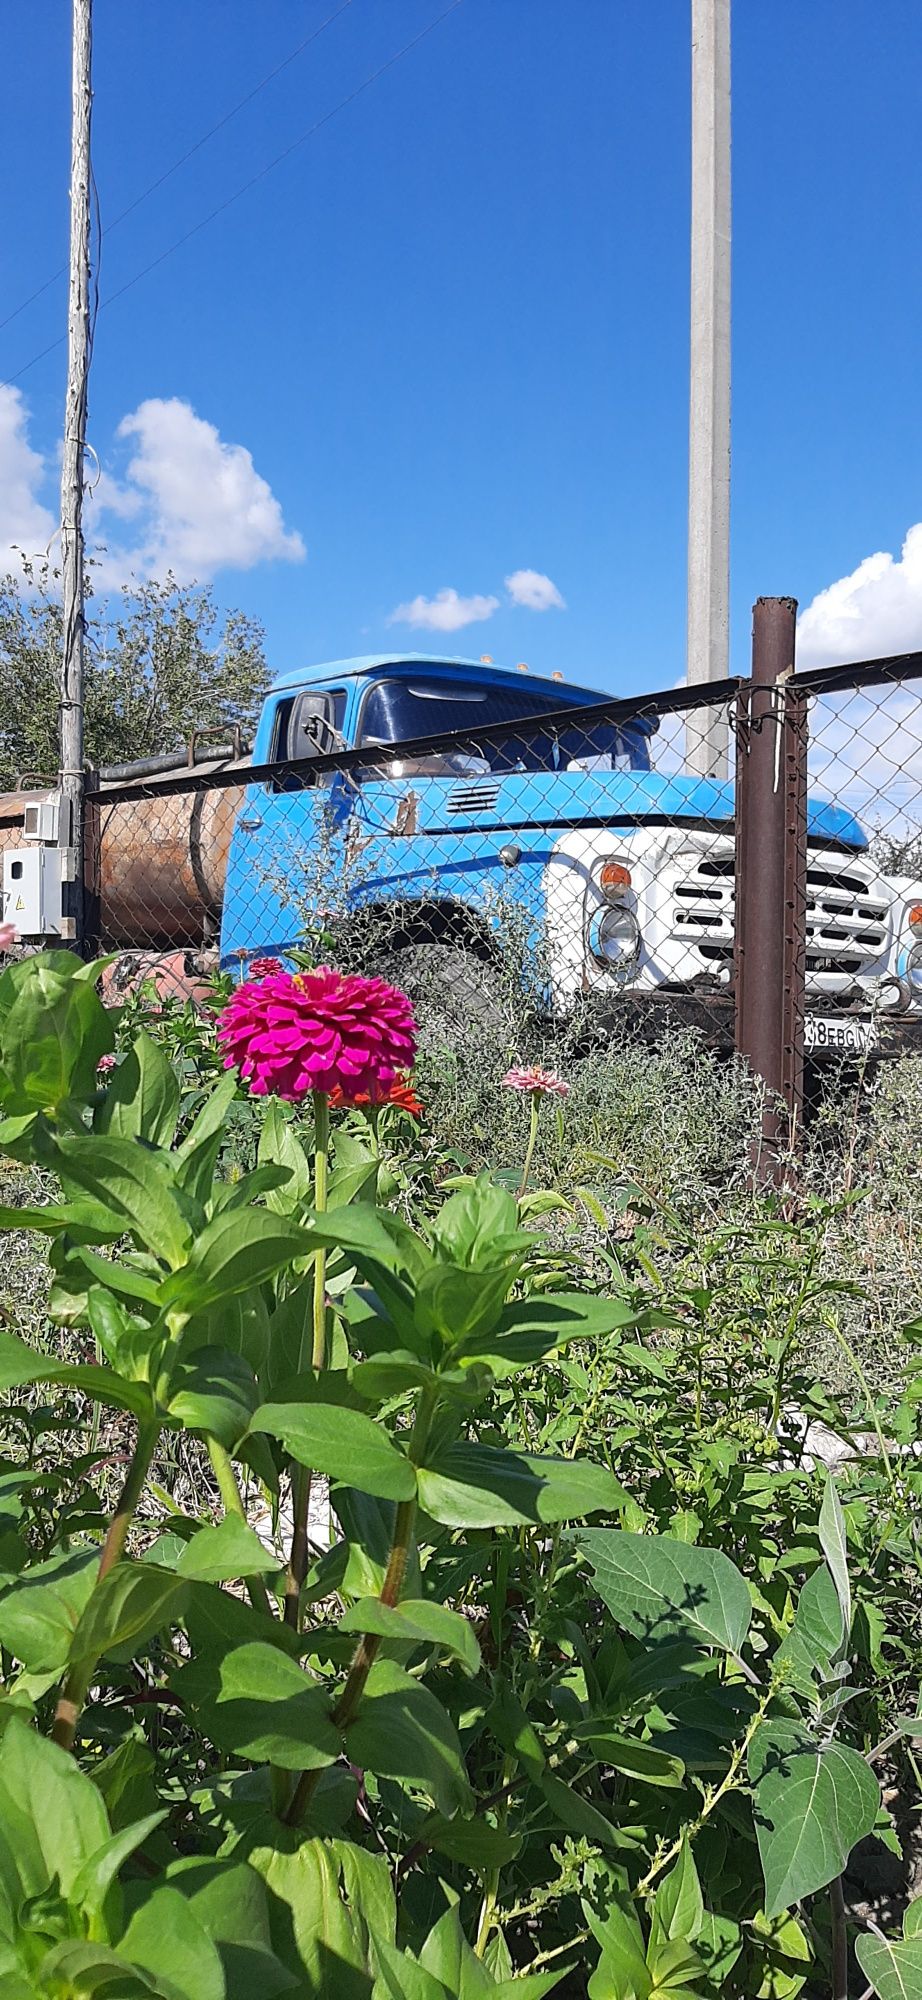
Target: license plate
(837, 1035)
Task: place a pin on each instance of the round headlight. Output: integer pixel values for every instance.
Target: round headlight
(614, 939)
(914, 971)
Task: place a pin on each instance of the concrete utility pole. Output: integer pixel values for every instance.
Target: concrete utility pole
(708, 629)
(70, 834)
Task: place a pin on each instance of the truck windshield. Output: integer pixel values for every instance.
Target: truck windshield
(397, 711)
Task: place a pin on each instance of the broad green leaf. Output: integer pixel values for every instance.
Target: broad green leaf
(402, 1731)
(132, 1602)
(50, 1812)
(280, 1147)
(39, 1614)
(530, 1328)
(141, 1100)
(387, 1252)
(231, 1903)
(392, 1375)
(473, 1842)
(258, 1703)
(633, 1757)
(577, 1814)
(622, 1973)
(834, 1544)
(480, 1486)
(20, 1364)
(326, 1898)
(135, 1182)
(912, 1919)
(893, 1966)
(719, 1943)
(216, 1555)
(166, 1937)
(778, 1959)
(91, 1886)
(419, 1622)
(658, 1588)
(83, 1216)
(811, 1807)
(678, 1906)
(342, 1443)
(213, 1391)
(196, 1158)
(510, 1725)
(480, 1226)
(53, 1030)
(91, 1970)
(236, 1250)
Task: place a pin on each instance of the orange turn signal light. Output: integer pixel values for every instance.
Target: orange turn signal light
(614, 878)
(915, 920)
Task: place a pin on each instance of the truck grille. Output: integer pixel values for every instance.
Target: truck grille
(847, 921)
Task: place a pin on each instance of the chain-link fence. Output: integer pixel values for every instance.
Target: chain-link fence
(746, 857)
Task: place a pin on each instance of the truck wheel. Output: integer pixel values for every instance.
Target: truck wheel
(449, 987)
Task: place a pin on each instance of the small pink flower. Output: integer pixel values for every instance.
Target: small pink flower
(104, 1065)
(291, 1034)
(540, 1082)
(265, 968)
(9, 935)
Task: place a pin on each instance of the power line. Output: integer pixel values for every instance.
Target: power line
(185, 157)
(254, 180)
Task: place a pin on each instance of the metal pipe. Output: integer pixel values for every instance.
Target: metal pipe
(771, 878)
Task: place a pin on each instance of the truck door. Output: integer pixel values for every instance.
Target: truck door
(281, 846)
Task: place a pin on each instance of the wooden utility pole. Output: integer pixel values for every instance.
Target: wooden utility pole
(708, 631)
(70, 834)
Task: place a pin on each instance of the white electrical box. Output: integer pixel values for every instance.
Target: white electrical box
(32, 891)
(40, 819)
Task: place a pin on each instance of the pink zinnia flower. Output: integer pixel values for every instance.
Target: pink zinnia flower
(265, 968)
(292, 1034)
(104, 1065)
(541, 1082)
(9, 935)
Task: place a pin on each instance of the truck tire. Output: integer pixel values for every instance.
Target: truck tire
(449, 987)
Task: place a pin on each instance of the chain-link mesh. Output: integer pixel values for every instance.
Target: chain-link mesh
(864, 903)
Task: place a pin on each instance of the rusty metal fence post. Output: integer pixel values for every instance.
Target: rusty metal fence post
(771, 879)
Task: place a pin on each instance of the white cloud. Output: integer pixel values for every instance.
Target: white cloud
(200, 502)
(25, 523)
(534, 591)
(875, 611)
(445, 612)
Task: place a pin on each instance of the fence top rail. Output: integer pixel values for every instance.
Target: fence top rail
(669, 701)
(860, 674)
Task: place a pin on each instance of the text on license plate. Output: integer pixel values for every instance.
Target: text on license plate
(839, 1036)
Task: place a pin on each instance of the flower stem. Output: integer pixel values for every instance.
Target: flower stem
(301, 1478)
(532, 1139)
(364, 1656)
(74, 1692)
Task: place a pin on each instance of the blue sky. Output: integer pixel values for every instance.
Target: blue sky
(450, 330)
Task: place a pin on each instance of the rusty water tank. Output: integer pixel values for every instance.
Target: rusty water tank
(158, 863)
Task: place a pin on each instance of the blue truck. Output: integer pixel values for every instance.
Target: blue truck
(621, 874)
(454, 805)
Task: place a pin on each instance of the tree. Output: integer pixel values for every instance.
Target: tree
(161, 662)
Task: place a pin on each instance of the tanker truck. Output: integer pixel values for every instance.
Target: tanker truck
(452, 798)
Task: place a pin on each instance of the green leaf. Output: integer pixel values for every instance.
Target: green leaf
(894, 1967)
(678, 1906)
(528, 1329)
(631, 1756)
(20, 1364)
(196, 1158)
(576, 1813)
(213, 1391)
(658, 1588)
(257, 1702)
(473, 1842)
(216, 1555)
(622, 1973)
(141, 1100)
(402, 1731)
(95, 1878)
(279, 1146)
(811, 1807)
(511, 1727)
(342, 1443)
(912, 1919)
(480, 1486)
(779, 1957)
(166, 1937)
(51, 1814)
(39, 1614)
(833, 1542)
(131, 1603)
(719, 1944)
(53, 1030)
(480, 1226)
(235, 1251)
(392, 1374)
(231, 1903)
(387, 1252)
(419, 1622)
(326, 1899)
(136, 1184)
